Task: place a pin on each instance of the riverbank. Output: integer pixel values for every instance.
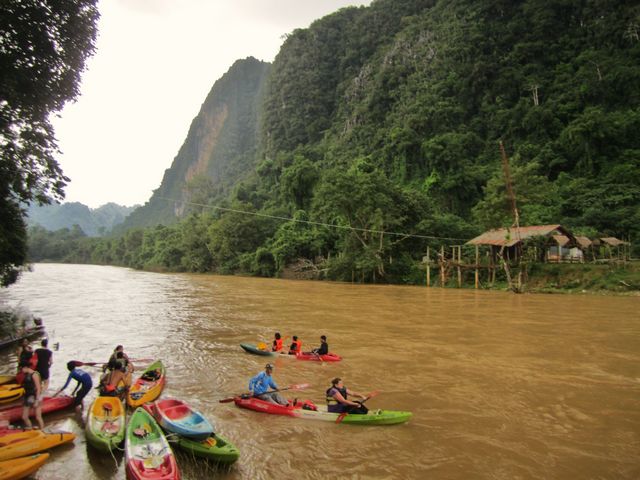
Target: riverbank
(621, 279)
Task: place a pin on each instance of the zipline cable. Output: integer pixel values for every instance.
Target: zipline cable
(310, 222)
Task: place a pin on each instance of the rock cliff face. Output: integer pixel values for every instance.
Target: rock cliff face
(219, 151)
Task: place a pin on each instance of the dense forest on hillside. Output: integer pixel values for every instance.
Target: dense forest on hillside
(92, 221)
(385, 120)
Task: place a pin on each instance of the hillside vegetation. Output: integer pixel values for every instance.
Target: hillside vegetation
(382, 121)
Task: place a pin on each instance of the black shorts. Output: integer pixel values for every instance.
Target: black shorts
(29, 400)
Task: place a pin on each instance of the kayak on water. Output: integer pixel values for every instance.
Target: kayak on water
(213, 447)
(10, 392)
(306, 409)
(28, 442)
(256, 350)
(176, 416)
(251, 348)
(148, 386)
(7, 379)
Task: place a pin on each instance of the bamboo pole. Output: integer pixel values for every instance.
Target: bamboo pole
(442, 265)
(459, 271)
(428, 267)
(477, 265)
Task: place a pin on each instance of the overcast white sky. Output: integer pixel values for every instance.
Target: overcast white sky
(155, 62)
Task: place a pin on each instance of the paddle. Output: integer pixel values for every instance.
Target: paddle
(352, 407)
(300, 386)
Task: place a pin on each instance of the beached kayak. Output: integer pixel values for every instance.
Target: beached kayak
(148, 386)
(10, 392)
(147, 452)
(213, 447)
(28, 442)
(17, 468)
(307, 410)
(176, 416)
(251, 348)
(49, 404)
(7, 379)
(106, 423)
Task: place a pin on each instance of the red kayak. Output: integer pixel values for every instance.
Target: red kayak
(49, 404)
(258, 405)
(329, 357)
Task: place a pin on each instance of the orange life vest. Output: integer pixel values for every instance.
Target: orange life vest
(296, 346)
(277, 345)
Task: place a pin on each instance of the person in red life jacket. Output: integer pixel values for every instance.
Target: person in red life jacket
(32, 395)
(277, 343)
(25, 355)
(338, 402)
(296, 346)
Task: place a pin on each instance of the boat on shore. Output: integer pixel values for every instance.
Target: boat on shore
(13, 412)
(148, 386)
(106, 423)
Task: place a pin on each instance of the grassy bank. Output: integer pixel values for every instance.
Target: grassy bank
(582, 278)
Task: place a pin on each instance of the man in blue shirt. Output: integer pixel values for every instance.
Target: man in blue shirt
(83, 379)
(260, 384)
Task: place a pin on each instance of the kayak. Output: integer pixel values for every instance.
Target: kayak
(28, 442)
(17, 468)
(176, 416)
(147, 452)
(251, 348)
(213, 447)
(106, 423)
(148, 386)
(49, 404)
(329, 357)
(7, 379)
(307, 410)
(10, 392)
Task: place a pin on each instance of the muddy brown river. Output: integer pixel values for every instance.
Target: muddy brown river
(501, 386)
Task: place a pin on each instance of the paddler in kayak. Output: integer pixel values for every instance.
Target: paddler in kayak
(337, 401)
(323, 349)
(277, 343)
(296, 346)
(260, 384)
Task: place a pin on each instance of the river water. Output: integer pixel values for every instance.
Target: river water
(501, 386)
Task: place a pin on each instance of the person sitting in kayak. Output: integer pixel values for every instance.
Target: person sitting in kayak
(260, 384)
(32, 394)
(122, 358)
(84, 381)
(277, 343)
(296, 346)
(337, 401)
(323, 349)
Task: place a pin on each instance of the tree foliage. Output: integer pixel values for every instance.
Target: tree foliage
(44, 45)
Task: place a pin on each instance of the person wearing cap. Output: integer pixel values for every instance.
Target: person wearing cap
(32, 394)
(338, 401)
(83, 379)
(260, 384)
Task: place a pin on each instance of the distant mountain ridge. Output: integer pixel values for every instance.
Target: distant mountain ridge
(93, 222)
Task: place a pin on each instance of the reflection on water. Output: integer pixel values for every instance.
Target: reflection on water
(502, 386)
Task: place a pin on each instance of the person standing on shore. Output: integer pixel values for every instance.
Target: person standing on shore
(45, 359)
(32, 395)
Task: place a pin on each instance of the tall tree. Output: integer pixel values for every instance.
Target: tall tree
(44, 45)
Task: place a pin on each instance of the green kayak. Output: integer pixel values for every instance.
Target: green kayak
(214, 448)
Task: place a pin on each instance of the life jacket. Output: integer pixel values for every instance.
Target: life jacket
(296, 346)
(277, 345)
(331, 399)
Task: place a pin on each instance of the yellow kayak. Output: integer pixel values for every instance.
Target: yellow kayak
(28, 442)
(148, 386)
(21, 467)
(7, 379)
(10, 392)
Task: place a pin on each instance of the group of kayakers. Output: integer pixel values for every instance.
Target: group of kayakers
(296, 345)
(337, 395)
(33, 376)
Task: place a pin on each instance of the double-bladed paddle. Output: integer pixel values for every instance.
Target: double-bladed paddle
(352, 407)
(300, 386)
